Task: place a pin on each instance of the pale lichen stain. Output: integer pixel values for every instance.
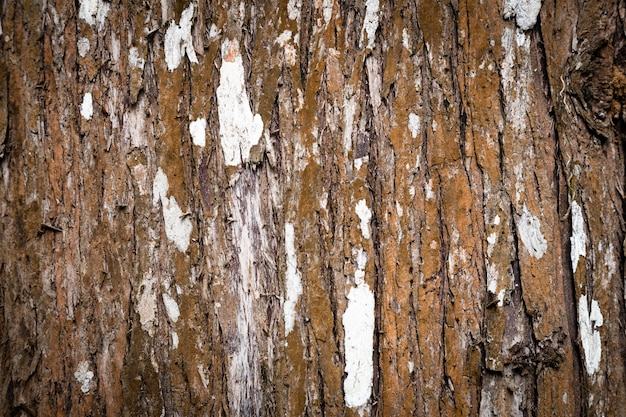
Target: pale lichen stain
(146, 305)
(529, 230)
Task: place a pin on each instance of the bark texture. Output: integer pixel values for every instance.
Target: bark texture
(312, 208)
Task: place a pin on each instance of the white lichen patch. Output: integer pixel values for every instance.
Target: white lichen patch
(516, 78)
(365, 215)
(406, 39)
(588, 322)
(174, 340)
(284, 38)
(178, 40)
(177, 227)
(529, 230)
(358, 324)
(415, 124)
(84, 376)
(293, 288)
(239, 129)
(370, 23)
(430, 195)
(525, 12)
(134, 59)
(83, 47)
(93, 11)
(171, 307)
(86, 108)
(491, 242)
(204, 377)
(358, 163)
(578, 240)
(293, 9)
(361, 261)
(289, 50)
(493, 278)
(197, 129)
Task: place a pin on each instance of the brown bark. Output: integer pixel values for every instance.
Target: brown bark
(410, 208)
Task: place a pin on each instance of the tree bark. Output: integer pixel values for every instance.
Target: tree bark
(312, 208)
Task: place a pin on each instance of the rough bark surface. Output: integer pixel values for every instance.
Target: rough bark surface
(312, 208)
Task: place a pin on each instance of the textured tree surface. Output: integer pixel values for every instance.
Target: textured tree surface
(302, 207)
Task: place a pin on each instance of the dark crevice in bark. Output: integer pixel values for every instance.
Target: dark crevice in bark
(563, 207)
(374, 182)
(522, 354)
(445, 296)
(306, 31)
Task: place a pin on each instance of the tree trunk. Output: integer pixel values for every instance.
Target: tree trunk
(295, 208)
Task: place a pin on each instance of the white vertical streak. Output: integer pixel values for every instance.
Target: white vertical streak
(358, 324)
(365, 215)
(293, 288)
(588, 323)
(86, 108)
(578, 240)
(249, 238)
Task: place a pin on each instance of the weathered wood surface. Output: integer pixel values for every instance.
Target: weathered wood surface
(312, 208)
